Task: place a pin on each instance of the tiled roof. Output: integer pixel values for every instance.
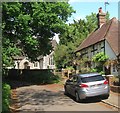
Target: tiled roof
(108, 31)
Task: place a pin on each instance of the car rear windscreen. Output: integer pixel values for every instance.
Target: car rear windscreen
(92, 78)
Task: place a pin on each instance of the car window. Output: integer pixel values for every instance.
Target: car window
(79, 80)
(92, 78)
(75, 78)
(70, 79)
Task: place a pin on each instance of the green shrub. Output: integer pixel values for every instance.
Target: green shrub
(97, 70)
(102, 72)
(93, 70)
(5, 97)
(100, 57)
(69, 68)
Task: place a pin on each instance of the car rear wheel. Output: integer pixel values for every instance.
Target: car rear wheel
(77, 98)
(66, 92)
(105, 97)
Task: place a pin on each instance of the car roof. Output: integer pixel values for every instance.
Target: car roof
(88, 74)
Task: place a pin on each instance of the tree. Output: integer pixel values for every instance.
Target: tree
(73, 36)
(107, 16)
(27, 27)
(75, 33)
(63, 55)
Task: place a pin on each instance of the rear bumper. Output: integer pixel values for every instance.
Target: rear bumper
(84, 95)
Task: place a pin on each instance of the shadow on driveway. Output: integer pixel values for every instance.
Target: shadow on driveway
(38, 97)
(37, 100)
(16, 84)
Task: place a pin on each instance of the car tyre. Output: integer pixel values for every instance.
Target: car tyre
(77, 98)
(105, 97)
(65, 92)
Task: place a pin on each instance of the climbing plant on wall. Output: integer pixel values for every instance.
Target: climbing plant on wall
(100, 59)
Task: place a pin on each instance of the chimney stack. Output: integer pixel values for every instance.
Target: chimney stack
(101, 17)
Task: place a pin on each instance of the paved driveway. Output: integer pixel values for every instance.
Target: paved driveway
(52, 98)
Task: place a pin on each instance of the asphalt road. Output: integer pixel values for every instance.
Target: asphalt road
(52, 98)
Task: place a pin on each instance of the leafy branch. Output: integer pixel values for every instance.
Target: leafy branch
(100, 57)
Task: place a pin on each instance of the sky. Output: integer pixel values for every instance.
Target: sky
(86, 7)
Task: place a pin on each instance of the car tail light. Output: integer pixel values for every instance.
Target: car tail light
(106, 82)
(83, 86)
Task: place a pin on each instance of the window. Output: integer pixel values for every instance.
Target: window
(114, 68)
(96, 47)
(51, 61)
(102, 47)
(75, 78)
(35, 64)
(92, 78)
(93, 53)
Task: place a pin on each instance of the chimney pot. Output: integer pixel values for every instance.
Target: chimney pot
(100, 10)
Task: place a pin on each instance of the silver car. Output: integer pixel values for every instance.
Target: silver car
(87, 85)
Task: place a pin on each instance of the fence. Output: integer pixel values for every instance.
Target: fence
(65, 72)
